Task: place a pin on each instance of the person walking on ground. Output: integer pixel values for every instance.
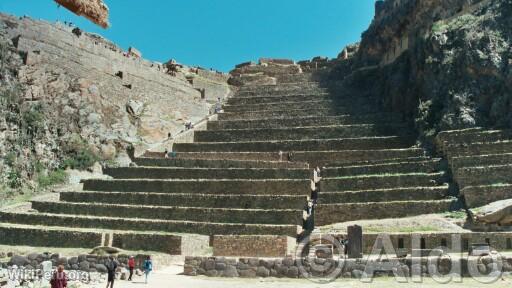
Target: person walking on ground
(59, 278)
(111, 271)
(131, 267)
(148, 267)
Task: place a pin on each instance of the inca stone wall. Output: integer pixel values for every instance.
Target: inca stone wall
(89, 238)
(253, 246)
(351, 268)
(136, 100)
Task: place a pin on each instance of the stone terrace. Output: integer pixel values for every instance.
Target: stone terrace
(250, 173)
(481, 163)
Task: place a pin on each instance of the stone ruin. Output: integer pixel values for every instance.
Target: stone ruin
(243, 185)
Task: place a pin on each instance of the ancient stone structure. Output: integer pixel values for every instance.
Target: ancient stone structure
(351, 268)
(254, 246)
(99, 73)
(480, 163)
(249, 172)
(241, 180)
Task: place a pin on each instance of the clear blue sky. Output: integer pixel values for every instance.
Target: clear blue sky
(220, 33)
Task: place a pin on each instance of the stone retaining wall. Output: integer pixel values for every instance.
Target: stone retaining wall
(39, 237)
(487, 175)
(329, 214)
(173, 213)
(147, 225)
(189, 200)
(309, 267)
(477, 196)
(253, 246)
(84, 262)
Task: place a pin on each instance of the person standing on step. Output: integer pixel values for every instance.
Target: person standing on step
(59, 278)
(148, 267)
(218, 106)
(131, 267)
(111, 271)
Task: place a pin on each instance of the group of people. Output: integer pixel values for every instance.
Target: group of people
(60, 280)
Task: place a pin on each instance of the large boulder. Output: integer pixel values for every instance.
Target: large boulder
(18, 260)
(499, 213)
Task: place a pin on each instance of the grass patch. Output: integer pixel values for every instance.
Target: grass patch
(80, 155)
(53, 178)
(9, 196)
(461, 214)
(439, 26)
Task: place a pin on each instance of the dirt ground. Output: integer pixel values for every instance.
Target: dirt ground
(170, 278)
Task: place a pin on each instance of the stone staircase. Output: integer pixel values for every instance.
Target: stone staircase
(250, 173)
(481, 163)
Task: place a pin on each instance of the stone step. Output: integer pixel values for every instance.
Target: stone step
(281, 93)
(279, 99)
(112, 223)
(217, 215)
(302, 77)
(206, 163)
(326, 214)
(324, 132)
(455, 150)
(385, 168)
(368, 143)
(480, 160)
(280, 86)
(369, 182)
(279, 106)
(484, 175)
(380, 161)
(314, 158)
(301, 104)
(290, 113)
(205, 173)
(387, 118)
(250, 187)
(384, 195)
(473, 136)
(478, 196)
(188, 200)
(69, 237)
(290, 87)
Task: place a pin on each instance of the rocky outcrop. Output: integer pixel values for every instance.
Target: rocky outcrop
(444, 64)
(499, 213)
(72, 94)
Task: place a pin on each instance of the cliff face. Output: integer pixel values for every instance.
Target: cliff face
(444, 64)
(67, 93)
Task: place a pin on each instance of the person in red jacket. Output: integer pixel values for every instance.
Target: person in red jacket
(59, 278)
(131, 267)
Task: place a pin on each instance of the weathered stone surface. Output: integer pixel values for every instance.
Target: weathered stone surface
(91, 95)
(96, 10)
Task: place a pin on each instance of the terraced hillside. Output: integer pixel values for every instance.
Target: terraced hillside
(481, 163)
(250, 173)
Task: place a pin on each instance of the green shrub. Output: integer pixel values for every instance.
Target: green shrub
(10, 158)
(33, 119)
(53, 178)
(14, 179)
(80, 159)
